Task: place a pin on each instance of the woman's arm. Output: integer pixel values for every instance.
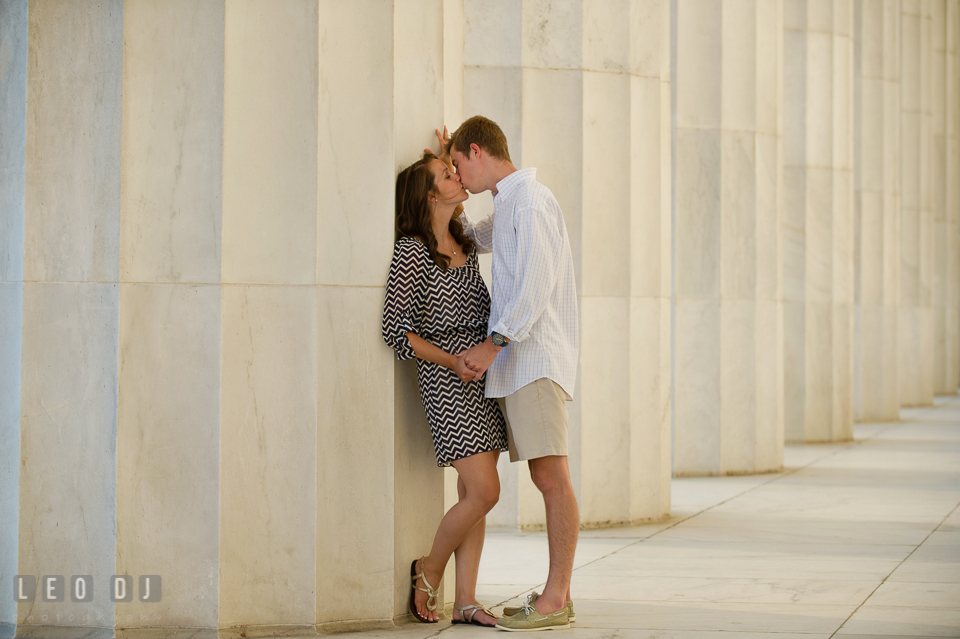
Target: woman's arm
(427, 351)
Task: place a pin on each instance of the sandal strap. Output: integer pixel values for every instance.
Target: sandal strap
(430, 590)
(472, 610)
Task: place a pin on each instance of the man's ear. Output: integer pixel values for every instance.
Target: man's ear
(475, 149)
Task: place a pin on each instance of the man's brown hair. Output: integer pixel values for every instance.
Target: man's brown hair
(483, 132)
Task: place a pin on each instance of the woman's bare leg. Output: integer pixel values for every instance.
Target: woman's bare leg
(468, 565)
(481, 490)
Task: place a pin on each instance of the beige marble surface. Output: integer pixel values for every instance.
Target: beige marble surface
(268, 456)
(13, 130)
(68, 444)
(168, 450)
(173, 70)
(270, 142)
(72, 225)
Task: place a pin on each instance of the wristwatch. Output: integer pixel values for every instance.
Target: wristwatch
(498, 339)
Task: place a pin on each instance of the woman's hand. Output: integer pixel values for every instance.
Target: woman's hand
(442, 139)
(460, 368)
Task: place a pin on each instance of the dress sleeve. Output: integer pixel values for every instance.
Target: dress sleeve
(403, 303)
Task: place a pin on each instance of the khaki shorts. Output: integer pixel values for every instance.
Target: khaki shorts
(536, 420)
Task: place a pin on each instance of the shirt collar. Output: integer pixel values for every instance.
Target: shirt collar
(508, 184)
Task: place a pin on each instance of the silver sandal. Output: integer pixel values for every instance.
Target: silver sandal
(430, 590)
(472, 609)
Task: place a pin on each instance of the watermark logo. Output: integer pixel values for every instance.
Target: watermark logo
(56, 588)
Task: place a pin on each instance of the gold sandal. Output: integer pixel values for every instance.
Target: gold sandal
(431, 592)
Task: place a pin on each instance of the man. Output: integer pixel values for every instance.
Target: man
(531, 353)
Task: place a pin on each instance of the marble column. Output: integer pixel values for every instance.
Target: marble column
(818, 220)
(168, 443)
(13, 132)
(952, 228)
(605, 157)
(916, 314)
(269, 452)
(938, 190)
(877, 210)
(946, 340)
(728, 368)
(71, 268)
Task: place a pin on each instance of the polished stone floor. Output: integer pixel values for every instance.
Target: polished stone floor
(852, 540)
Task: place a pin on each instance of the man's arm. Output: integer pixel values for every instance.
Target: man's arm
(539, 246)
(480, 232)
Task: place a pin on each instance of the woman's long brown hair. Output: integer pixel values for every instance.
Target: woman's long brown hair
(413, 217)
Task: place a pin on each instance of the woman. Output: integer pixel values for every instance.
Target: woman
(436, 307)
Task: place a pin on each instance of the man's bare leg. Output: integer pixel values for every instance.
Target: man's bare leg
(552, 477)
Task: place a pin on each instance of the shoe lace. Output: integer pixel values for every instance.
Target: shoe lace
(528, 605)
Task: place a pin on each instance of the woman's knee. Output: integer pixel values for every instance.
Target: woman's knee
(488, 494)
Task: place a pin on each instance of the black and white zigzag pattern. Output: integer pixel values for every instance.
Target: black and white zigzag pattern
(450, 310)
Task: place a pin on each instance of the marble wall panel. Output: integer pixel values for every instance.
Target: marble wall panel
(794, 370)
(68, 436)
(842, 339)
(493, 35)
(697, 388)
(168, 450)
(13, 131)
(553, 34)
(606, 168)
(698, 75)
(355, 181)
(355, 457)
(739, 216)
(268, 453)
(738, 62)
(738, 386)
(72, 224)
(11, 318)
(649, 260)
(270, 142)
(769, 213)
(769, 351)
(698, 213)
(649, 37)
(606, 35)
(650, 392)
(557, 157)
(172, 141)
(819, 372)
(605, 403)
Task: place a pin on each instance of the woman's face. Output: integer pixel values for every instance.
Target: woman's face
(446, 184)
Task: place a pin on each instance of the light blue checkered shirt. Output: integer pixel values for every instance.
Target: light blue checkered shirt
(534, 297)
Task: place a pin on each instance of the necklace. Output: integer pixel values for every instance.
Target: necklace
(451, 250)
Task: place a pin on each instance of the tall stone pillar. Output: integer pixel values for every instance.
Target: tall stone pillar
(604, 156)
(916, 255)
(71, 268)
(877, 210)
(818, 220)
(946, 338)
(728, 371)
(268, 430)
(952, 230)
(168, 441)
(13, 132)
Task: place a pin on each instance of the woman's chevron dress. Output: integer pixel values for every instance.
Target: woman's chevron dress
(450, 310)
